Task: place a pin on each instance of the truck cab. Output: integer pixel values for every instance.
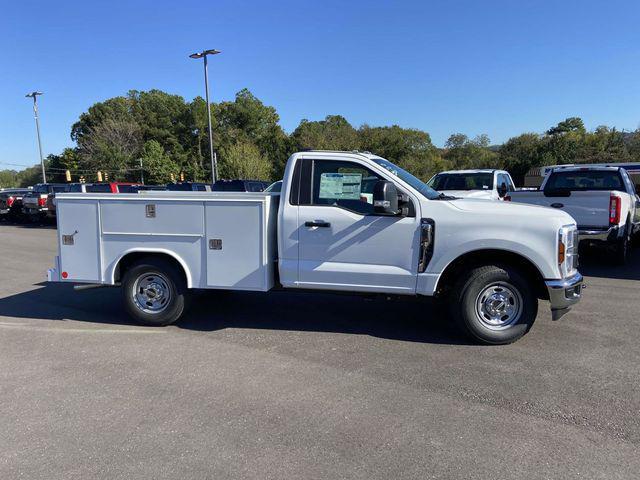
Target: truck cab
(487, 184)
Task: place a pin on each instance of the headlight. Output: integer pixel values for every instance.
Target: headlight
(568, 250)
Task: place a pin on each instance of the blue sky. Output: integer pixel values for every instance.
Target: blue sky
(494, 67)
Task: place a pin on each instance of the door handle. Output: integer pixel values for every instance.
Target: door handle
(317, 223)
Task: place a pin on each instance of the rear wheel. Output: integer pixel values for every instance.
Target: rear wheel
(623, 247)
(154, 292)
(494, 304)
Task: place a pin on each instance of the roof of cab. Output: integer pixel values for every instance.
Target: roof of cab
(575, 168)
(480, 170)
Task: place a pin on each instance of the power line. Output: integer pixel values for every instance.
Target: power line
(78, 170)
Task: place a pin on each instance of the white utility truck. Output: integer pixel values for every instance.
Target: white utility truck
(601, 198)
(344, 221)
(487, 184)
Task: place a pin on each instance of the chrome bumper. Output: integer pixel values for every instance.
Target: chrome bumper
(610, 234)
(564, 293)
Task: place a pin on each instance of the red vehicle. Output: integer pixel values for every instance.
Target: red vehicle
(113, 187)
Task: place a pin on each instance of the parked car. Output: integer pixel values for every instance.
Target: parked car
(34, 203)
(113, 187)
(602, 200)
(146, 188)
(71, 188)
(11, 203)
(491, 261)
(239, 186)
(487, 184)
(189, 187)
(275, 187)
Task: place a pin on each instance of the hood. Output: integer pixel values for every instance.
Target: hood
(514, 209)
(484, 194)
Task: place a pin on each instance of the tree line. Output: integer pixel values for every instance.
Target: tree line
(161, 137)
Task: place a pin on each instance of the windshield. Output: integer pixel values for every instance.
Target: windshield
(462, 181)
(405, 176)
(585, 180)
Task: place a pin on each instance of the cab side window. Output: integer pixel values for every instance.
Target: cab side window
(502, 178)
(343, 184)
(510, 186)
(627, 180)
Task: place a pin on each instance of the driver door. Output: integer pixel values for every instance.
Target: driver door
(343, 243)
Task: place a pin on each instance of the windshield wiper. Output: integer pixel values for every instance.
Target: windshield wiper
(442, 196)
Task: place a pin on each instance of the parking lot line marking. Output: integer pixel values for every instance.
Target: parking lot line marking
(26, 326)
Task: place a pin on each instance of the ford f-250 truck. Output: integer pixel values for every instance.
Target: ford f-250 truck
(344, 221)
(602, 200)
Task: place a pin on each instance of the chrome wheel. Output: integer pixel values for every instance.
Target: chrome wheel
(499, 306)
(151, 293)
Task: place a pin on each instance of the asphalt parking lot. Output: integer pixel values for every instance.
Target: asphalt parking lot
(309, 386)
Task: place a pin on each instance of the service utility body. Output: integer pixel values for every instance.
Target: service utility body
(343, 221)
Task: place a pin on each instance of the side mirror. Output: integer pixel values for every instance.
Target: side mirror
(503, 190)
(385, 198)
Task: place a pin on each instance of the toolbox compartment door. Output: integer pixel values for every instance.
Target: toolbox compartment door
(78, 237)
(236, 246)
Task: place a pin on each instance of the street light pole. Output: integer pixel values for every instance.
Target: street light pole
(203, 55)
(34, 95)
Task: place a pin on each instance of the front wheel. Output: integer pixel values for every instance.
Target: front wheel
(494, 304)
(154, 292)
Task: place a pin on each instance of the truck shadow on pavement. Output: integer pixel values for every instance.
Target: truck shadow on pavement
(404, 320)
(599, 263)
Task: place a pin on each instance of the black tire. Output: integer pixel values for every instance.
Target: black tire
(149, 275)
(483, 292)
(623, 248)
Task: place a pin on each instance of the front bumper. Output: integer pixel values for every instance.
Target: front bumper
(563, 294)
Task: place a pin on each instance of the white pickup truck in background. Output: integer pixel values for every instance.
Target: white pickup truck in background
(344, 221)
(486, 184)
(602, 200)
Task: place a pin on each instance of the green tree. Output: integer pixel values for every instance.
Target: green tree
(571, 124)
(633, 142)
(57, 165)
(114, 145)
(409, 148)
(462, 152)
(158, 167)
(247, 120)
(244, 160)
(31, 175)
(332, 133)
(519, 154)
(8, 178)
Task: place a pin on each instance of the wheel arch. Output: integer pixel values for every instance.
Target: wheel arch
(129, 257)
(491, 256)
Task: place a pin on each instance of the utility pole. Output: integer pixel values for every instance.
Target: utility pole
(141, 173)
(203, 55)
(34, 95)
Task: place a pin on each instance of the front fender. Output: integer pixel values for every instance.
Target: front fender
(428, 282)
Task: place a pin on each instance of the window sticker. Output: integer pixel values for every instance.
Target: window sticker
(340, 186)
